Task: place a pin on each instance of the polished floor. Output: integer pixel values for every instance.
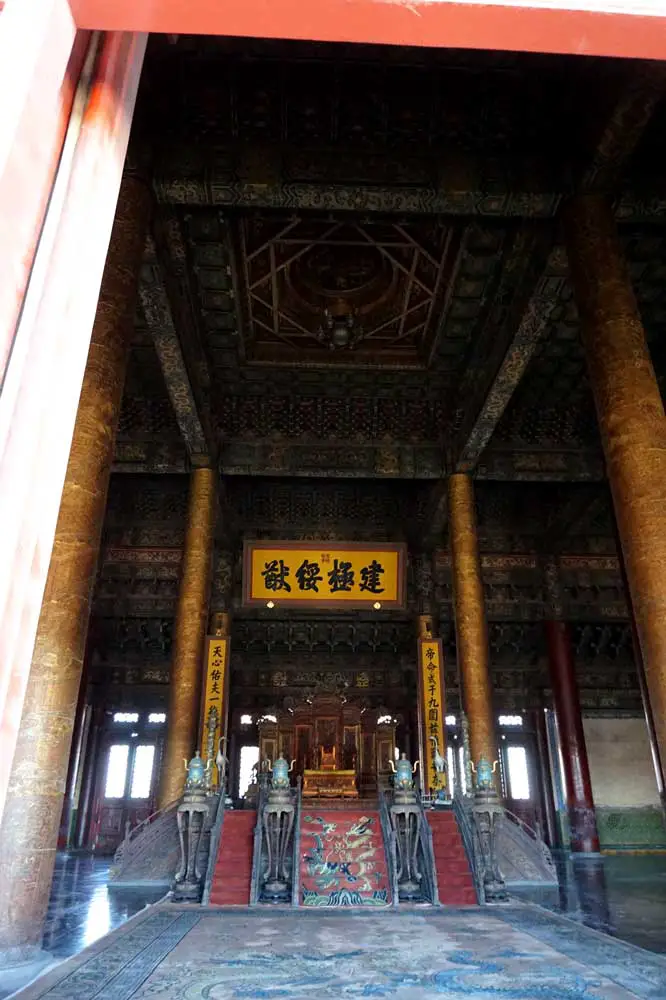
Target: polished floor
(83, 909)
(622, 896)
(516, 952)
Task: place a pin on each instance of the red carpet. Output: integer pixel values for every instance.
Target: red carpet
(454, 879)
(342, 859)
(233, 868)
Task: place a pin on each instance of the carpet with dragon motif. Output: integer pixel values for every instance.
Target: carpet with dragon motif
(343, 862)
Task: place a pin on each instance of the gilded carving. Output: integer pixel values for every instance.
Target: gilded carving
(632, 422)
(470, 616)
(35, 795)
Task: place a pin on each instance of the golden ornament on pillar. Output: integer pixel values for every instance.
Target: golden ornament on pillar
(31, 817)
(189, 634)
(470, 615)
(425, 628)
(221, 624)
(632, 424)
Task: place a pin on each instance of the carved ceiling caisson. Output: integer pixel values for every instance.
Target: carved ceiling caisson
(343, 292)
(415, 292)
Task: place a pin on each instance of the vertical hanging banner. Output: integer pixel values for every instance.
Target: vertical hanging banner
(215, 702)
(433, 710)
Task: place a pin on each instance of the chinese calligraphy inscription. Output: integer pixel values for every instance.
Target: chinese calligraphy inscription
(431, 669)
(348, 573)
(216, 663)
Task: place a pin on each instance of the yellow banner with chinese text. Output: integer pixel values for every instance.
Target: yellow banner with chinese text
(324, 574)
(433, 711)
(214, 703)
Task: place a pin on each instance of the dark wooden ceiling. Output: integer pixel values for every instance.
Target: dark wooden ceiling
(413, 195)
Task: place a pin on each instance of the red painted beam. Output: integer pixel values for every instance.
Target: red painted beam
(469, 24)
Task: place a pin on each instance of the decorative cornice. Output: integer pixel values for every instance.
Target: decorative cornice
(541, 466)
(142, 556)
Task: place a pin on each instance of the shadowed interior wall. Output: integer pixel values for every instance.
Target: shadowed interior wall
(623, 783)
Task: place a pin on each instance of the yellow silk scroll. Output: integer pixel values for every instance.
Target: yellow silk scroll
(324, 574)
(433, 711)
(214, 695)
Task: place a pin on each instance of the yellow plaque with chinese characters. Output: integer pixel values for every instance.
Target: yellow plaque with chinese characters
(324, 575)
(214, 695)
(433, 712)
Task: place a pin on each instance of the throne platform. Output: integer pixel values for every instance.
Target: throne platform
(340, 750)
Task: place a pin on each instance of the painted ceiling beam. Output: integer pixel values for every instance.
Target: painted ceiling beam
(160, 322)
(507, 342)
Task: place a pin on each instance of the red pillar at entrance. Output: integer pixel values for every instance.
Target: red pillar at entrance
(41, 55)
(580, 804)
(40, 395)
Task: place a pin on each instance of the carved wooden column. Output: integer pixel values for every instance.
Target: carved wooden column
(580, 803)
(191, 620)
(470, 613)
(33, 807)
(632, 425)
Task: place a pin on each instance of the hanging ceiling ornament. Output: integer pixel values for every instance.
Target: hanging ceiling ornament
(340, 330)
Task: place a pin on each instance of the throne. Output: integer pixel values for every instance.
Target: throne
(327, 758)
